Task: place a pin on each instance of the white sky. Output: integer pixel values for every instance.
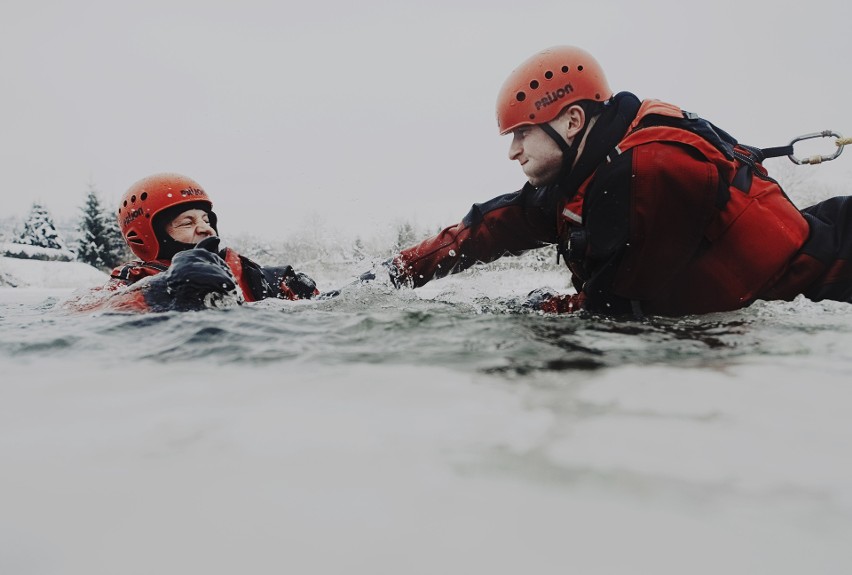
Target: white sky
(359, 114)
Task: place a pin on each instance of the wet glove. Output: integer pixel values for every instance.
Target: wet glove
(363, 278)
(196, 279)
(542, 299)
(300, 284)
(536, 298)
(395, 274)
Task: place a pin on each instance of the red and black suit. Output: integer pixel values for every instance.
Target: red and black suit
(136, 286)
(663, 213)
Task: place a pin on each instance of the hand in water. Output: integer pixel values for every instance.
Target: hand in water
(301, 285)
(546, 300)
(363, 278)
(537, 297)
(198, 278)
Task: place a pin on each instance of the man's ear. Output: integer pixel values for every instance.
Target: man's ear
(570, 121)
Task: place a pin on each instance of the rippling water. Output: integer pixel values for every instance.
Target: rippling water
(378, 325)
(439, 430)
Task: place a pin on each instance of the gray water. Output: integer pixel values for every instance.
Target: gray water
(440, 430)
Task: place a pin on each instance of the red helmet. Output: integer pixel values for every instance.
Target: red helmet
(150, 196)
(537, 90)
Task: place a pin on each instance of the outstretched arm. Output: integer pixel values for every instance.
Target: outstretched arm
(506, 225)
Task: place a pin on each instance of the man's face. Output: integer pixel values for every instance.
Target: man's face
(190, 227)
(538, 154)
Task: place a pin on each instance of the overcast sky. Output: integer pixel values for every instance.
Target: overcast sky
(358, 114)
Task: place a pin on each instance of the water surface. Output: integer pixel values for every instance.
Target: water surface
(439, 430)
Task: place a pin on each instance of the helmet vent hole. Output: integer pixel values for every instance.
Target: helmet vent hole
(548, 74)
(125, 203)
(137, 241)
(144, 196)
(532, 116)
(521, 96)
(131, 234)
(534, 84)
(597, 96)
(580, 68)
(564, 69)
(148, 215)
(132, 199)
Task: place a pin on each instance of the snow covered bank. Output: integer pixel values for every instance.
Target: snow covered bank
(25, 251)
(16, 272)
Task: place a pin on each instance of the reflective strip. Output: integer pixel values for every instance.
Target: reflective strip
(572, 216)
(615, 152)
(124, 274)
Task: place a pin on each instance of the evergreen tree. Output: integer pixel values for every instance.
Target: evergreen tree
(359, 249)
(100, 244)
(91, 246)
(405, 236)
(40, 231)
(117, 251)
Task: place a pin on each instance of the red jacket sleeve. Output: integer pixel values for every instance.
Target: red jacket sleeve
(507, 225)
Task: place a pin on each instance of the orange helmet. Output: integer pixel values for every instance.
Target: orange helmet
(537, 90)
(138, 210)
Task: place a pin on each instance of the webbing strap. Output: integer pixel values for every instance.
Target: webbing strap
(777, 151)
(556, 137)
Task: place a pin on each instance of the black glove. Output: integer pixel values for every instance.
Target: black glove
(395, 274)
(192, 277)
(210, 244)
(536, 298)
(363, 278)
(300, 284)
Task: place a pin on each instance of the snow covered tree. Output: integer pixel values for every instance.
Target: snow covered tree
(91, 246)
(100, 244)
(118, 251)
(405, 236)
(40, 231)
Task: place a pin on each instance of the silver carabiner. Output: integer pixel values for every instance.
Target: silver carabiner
(818, 159)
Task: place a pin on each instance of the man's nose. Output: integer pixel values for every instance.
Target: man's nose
(205, 229)
(515, 149)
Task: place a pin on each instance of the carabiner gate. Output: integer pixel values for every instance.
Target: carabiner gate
(819, 159)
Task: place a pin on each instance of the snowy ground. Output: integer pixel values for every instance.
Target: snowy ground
(27, 273)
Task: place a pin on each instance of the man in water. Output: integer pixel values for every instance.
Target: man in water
(168, 222)
(655, 210)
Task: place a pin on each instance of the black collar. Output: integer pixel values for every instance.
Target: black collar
(609, 129)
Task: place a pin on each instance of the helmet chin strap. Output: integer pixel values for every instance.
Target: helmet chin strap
(569, 151)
